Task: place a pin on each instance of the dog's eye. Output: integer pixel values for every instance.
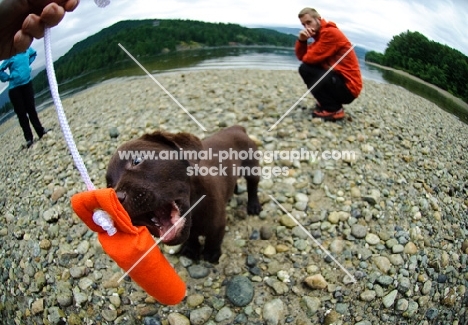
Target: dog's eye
(136, 161)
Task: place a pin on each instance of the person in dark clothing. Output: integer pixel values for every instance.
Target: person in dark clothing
(21, 92)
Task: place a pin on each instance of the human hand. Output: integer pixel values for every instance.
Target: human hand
(306, 33)
(23, 20)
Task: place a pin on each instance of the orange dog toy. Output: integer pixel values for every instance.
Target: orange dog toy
(129, 243)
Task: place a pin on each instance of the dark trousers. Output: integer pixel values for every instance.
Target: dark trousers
(331, 92)
(22, 99)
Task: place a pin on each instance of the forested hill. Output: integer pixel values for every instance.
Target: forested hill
(151, 37)
(428, 60)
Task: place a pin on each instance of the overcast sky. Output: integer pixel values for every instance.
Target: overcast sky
(368, 23)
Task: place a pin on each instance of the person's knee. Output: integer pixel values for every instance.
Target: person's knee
(311, 71)
(349, 100)
(303, 70)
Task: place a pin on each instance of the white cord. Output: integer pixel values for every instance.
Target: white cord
(61, 114)
(100, 217)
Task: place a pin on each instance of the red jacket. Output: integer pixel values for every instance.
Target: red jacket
(329, 46)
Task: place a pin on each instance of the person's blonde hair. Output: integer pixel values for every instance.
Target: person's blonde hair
(312, 12)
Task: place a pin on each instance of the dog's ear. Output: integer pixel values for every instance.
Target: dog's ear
(182, 140)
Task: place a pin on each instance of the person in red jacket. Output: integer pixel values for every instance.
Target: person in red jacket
(329, 49)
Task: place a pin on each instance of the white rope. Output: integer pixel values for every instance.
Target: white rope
(100, 217)
(61, 114)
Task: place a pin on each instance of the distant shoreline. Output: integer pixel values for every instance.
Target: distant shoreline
(441, 91)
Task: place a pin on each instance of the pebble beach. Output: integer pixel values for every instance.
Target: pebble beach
(394, 215)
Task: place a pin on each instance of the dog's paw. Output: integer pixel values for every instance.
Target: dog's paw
(212, 255)
(254, 208)
(190, 252)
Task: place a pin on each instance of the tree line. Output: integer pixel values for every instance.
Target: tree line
(150, 37)
(428, 60)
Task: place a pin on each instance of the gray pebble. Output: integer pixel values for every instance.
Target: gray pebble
(152, 321)
(310, 305)
(389, 299)
(240, 291)
(55, 314)
(201, 315)
(273, 312)
(432, 313)
(266, 232)
(404, 285)
(385, 280)
(114, 132)
(412, 309)
(109, 315)
(402, 305)
(342, 308)
(185, 261)
(198, 271)
(318, 177)
(359, 231)
(368, 295)
(77, 271)
(225, 314)
(427, 287)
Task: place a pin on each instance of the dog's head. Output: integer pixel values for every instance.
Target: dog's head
(154, 191)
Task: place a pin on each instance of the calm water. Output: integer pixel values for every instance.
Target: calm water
(235, 58)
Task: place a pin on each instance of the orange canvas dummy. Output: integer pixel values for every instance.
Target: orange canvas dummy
(153, 273)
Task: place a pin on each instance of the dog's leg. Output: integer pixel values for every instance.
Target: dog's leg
(253, 204)
(191, 247)
(212, 248)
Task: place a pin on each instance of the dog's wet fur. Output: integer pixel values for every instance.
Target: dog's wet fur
(157, 193)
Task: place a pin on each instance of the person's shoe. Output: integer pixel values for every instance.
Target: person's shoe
(45, 131)
(338, 115)
(321, 113)
(329, 116)
(317, 112)
(29, 143)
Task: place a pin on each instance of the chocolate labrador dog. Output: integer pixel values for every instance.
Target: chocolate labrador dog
(160, 176)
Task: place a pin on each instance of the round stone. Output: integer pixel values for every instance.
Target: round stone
(240, 291)
(372, 239)
(358, 231)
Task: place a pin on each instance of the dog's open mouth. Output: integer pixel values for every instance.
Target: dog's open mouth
(165, 222)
